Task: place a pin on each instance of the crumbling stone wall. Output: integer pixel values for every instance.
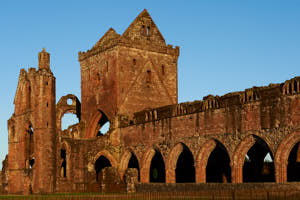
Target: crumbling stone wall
(130, 80)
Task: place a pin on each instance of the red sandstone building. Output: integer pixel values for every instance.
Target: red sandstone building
(130, 81)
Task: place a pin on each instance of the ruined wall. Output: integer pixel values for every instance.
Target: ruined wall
(130, 80)
(32, 131)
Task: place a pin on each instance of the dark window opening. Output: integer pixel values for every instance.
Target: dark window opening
(47, 104)
(107, 66)
(295, 87)
(218, 166)
(157, 168)
(31, 163)
(185, 170)
(29, 137)
(100, 164)
(63, 163)
(143, 30)
(148, 76)
(257, 166)
(293, 167)
(134, 61)
(163, 70)
(134, 163)
(290, 89)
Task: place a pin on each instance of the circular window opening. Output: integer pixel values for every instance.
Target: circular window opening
(69, 102)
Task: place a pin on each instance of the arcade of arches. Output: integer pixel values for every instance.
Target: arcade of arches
(179, 166)
(129, 86)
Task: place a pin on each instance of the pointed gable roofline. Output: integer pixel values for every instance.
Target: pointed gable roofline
(142, 33)
(140, 21)
(110, 36)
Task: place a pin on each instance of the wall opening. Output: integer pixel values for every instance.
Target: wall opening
(148, 31)
(163, 70)
(68, 119)
(157, 168)
(259, 165)
(295, 87)
(293, 167)
(134, 163)
(218, 168)
(103, 125)
(185, 170)
(31, 163)
(148, 79)
(63, 164)
(69, 102)
(101, 163)
(29, 145)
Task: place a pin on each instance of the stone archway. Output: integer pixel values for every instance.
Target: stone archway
(282, 155)
(147, 165)
(129, 160)
(106, 158)
(218, 168)
(202, 159)
(240, 154)
(180, 165)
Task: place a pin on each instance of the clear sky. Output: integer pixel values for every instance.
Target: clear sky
(225, 46)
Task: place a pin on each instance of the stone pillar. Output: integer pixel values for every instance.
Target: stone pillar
(131, 178)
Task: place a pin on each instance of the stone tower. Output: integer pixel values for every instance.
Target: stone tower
(123, 74)
(32, 131)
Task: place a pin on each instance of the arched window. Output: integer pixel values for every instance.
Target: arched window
(101, 163)
(134, 163)
(259, 165)
(63, 164)
(293, 167)
(157, 168)
(185, 170)
(218, 165)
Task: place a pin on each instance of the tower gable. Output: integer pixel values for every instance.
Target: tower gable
(107, 39)
(143, 28)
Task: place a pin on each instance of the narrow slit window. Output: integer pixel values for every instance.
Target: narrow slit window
(63, 157)
(148, 76)
(163, 70)
(143, 30)
(107, 66)
(148, 31)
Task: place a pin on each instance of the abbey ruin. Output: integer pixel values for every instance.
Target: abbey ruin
(130, 82)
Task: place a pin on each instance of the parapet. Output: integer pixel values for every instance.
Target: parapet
(210, 102)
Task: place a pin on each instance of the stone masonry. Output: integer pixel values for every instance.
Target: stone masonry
(130, 81)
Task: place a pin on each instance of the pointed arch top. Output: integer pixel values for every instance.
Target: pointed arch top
(107, 155)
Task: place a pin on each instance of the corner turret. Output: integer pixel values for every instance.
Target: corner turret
(44, 60)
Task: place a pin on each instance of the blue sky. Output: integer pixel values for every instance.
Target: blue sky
(225, 46)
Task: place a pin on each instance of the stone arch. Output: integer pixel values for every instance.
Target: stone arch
(239, 156)
(146, 164)
(218, 167)
(63, 107)
(282, 155)
(99, 116)
(103, 158)
(171, 163)
(203, 156)
(107, 155)
(124, 162)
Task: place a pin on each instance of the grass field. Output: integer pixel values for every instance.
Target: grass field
(154, 195)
